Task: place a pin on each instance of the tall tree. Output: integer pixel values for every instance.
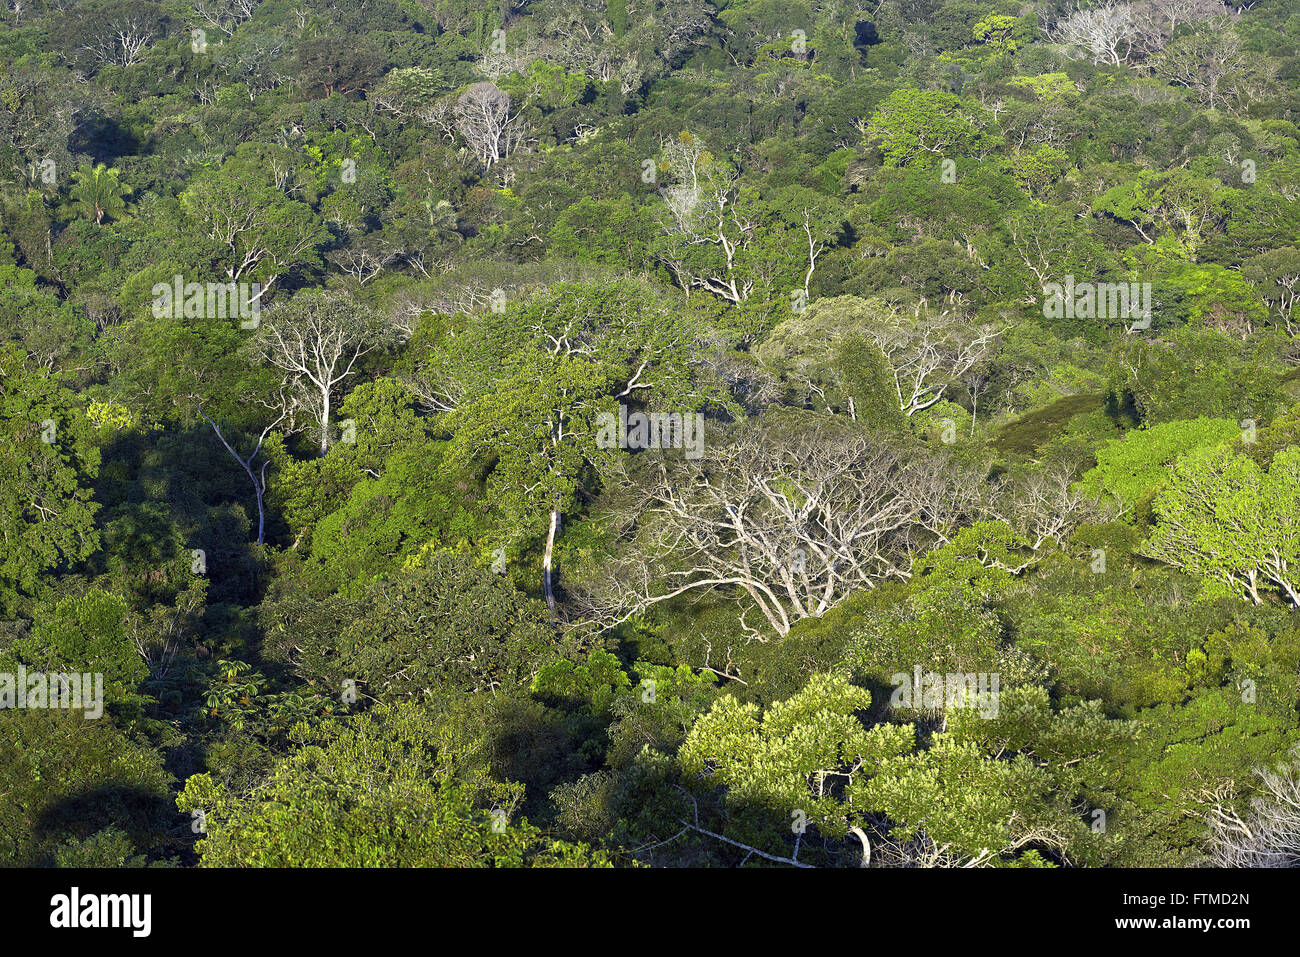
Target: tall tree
(47, 517)
(1225, 519)
(524, 391)
(788, 520)
(316, 340)
(261, 232)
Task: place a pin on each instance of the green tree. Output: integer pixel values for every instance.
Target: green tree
(1134, 467)
(1276, 274)
(89, 634)
(259, 232)
(525, 392)
(926, 126)
(340, 64)
(786, 762)
(825, 355)
(1228, 521)
(66, 779)
(389, 788)
(97, 192)
(47, 457)
(616, 15)
(442, 627)
(999, 32)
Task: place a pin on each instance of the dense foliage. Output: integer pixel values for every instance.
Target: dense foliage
(651, 432)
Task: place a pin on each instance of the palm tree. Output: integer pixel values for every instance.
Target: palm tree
(98, 193)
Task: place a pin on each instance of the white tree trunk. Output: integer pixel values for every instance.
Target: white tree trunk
(546, 559)
(324, 421)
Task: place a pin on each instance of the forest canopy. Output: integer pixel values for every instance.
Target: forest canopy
(670, 433)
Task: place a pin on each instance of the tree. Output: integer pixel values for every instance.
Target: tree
(525, 391)
(254, 61)
(48, 328)
(90, 633)
(822, 352)
(224, 15)
(42, 112)
(1136, 466)
(315, 340)
(1193, 371)
(256, 477)
(1104, 32)
(788, 522)
(1156, 21)
(337, 801)
(262, 233)
(733, 241)
(1184, 204)
(484, 118)
(408, 92)
(809, 776)
(1210, 295)
(1268, 835)
(927, 352)
(817, 217)
(441, 627)
(926, 126)
(97, 193)
(68, 781)
(93, 35)
(1215, 66)
(1226, 520)
(998, 31)
(616, 17)
(952, 806)
(788, 763)
(1050, 244)
(340, 64)
(1043, 506)
(47, 456)
(1276, 274)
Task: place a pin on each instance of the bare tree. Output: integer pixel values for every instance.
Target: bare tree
(499, 61)
(130, 35)
(789, 524)
(484, 118)
(316, 340)
(365, 258)
(1266, 836)
(1104, 32)
(1214, 65)
(258, 478)
(1043, 506)
(1154, 21)
(928, 352)
(701, 205)
(224, 15)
